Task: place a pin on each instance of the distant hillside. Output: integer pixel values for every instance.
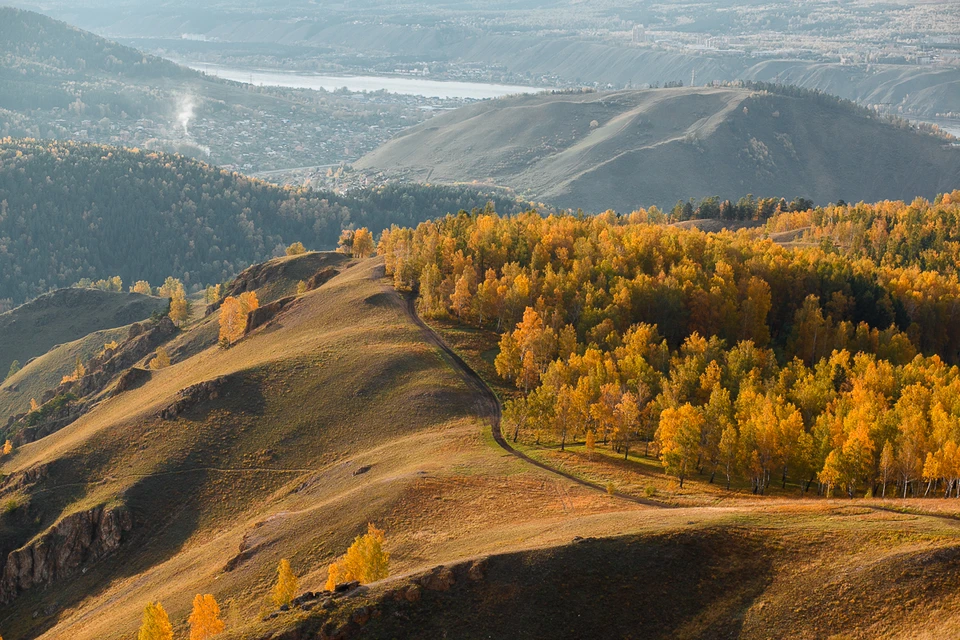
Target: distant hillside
(46, 371)
(530, 56)
(71, 211)
(32, 329)
(625, 149)
(59, 82)
(32, 39)
(47, 64)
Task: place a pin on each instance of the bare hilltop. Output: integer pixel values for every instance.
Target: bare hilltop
(624, 149)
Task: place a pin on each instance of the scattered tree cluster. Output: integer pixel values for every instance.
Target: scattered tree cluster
(79, 370)
(160, 360)
(204, 620)
(728, 353)
(113, 283)
(358, 243)
(296, 249)
(366, 561)
(233, 316)
(179, 306)
(746, 208)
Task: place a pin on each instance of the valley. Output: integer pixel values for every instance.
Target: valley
(618, 319)
(89, 89)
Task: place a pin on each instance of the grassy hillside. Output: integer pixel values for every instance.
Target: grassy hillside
(46, 371)
(625, 149)
(341, 380)
(66, 315)
(339, 412)
(70, 211)
(733, 572)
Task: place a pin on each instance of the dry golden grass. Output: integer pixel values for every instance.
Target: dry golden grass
(338, 413)
(340, 381)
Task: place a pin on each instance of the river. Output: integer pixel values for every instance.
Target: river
(391, 84)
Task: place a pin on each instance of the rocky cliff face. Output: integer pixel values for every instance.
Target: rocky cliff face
(77, 539)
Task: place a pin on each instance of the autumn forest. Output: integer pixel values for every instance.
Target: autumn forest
(830, 364)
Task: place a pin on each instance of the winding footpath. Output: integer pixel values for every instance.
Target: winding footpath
(489, 407)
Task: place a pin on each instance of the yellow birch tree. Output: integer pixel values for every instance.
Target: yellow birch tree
(286, 587)
(156, 625)
(205, 619)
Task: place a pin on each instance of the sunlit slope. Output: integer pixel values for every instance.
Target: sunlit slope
(628, 149)
(334, 414)
(337, 413)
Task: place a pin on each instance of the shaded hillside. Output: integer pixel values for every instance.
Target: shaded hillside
(625, 149)
(62, 316)
(830, 573)
(924, 91)
(71, 211)
(46, 371)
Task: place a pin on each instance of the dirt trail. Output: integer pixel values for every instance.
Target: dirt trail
(489, 407)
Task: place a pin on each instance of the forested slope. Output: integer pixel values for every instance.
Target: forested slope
(70, 211)
(49, 47)
(834, 363)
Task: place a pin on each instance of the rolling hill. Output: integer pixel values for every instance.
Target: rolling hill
(627, 149)
(341, 410)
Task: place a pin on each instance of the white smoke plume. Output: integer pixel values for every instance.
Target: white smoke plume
(185, 113)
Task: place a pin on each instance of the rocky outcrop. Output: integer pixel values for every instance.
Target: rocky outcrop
(77, 539)
(55, 414)
(439, 579)
(141, 341)
(21, 480)
(193, 396)
(64, 404)
(131, 379)
(321, 277)
(262, 315)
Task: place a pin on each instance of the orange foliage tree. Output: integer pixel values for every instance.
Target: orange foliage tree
(205, 619)
(233, 316)
(366, 560)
